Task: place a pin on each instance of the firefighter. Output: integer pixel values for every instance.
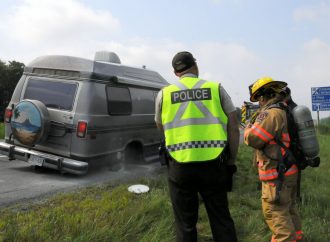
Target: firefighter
(201, 131)
(277, 173)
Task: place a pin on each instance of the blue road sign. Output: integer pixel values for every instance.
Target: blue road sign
(320, 98)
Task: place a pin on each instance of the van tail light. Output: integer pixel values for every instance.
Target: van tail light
(81, 129)
(8, 115)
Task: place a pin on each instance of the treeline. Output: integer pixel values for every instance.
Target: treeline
(10, 73)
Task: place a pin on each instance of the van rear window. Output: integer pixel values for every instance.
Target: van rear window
(58, 95)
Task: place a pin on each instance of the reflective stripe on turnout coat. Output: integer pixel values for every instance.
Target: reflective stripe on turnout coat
(260, 135)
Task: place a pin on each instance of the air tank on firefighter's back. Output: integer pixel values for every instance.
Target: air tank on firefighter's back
(306, 131)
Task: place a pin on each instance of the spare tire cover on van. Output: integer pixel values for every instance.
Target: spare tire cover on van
(30, 122)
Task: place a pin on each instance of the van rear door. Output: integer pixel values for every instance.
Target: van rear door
(58, 96)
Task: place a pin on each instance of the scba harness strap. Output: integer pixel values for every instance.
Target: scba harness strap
(286, 160)
(286, 154)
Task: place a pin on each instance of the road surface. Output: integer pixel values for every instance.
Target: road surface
(19, 182)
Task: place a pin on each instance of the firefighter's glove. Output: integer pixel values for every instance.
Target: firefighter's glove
(231, 169)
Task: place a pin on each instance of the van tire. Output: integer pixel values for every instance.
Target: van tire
(21, 124)
(133, 154)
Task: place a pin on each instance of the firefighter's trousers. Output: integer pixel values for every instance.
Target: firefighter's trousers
(282, 218)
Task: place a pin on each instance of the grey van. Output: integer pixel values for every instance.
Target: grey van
(67, 113)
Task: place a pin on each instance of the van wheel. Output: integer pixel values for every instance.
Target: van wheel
(30, 122)
(133, 154)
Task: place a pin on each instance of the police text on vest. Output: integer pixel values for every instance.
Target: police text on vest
(191, 95)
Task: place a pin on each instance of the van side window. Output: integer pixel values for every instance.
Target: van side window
(119, 100)
(57, 95)
(143, 101)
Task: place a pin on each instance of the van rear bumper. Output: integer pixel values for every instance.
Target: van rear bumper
(43, 159)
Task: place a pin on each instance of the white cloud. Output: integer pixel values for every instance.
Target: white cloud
(313, 64)
(228, 58)
(52, 25)
(232, 65)
(315, 13)
(154, 54)
(68, 27)
(310, 69)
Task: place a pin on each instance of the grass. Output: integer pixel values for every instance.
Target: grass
(2, 130)
(111, 213)
(324, 126)
(104, 213)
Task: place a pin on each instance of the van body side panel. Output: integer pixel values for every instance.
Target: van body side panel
(109, 134)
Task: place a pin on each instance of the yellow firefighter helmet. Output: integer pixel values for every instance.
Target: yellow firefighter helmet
(257, 88)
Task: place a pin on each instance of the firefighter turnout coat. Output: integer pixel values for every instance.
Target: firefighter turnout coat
(261, 134)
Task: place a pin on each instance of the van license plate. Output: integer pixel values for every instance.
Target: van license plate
(36, 160)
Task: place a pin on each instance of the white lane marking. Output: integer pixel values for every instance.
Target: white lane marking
(3, 156)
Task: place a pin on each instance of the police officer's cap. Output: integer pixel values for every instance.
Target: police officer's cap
(183, 61)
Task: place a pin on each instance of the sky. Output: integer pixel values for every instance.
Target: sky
(234, 42)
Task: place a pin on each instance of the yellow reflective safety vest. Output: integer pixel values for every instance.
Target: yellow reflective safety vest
(194, 122)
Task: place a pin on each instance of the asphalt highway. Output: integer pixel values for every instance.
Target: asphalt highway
(20, 182)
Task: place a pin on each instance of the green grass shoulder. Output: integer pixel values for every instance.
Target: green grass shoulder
(111, 213)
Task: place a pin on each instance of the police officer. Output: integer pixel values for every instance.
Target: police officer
(200, 125)
(267, 134)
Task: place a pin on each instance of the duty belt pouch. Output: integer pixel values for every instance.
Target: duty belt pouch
(164, 156)
(224, 156)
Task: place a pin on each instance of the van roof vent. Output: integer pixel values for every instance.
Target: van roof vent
(107, 56)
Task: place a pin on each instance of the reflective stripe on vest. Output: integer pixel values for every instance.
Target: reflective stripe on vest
(208, 117)
(196, 144)
(193, 120)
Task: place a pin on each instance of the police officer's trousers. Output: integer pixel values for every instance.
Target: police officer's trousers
(282, 218)
(207, 179)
